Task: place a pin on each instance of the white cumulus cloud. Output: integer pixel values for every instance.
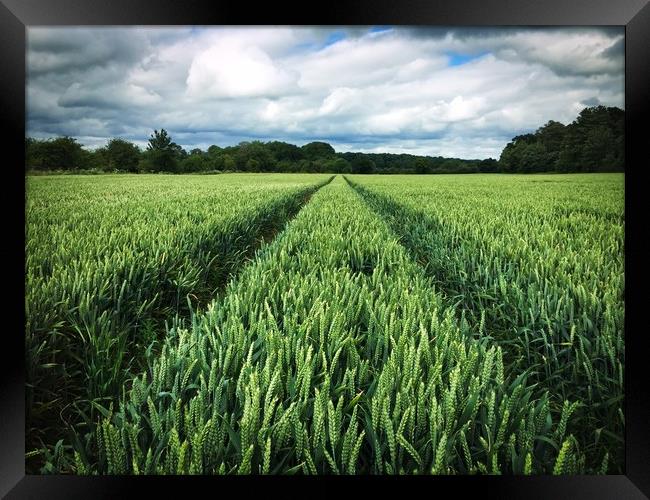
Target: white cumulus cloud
(230, 68)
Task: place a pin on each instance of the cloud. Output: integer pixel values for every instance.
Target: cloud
(230, 69)
(56, 50)
(589, 53)
(565, 51)
(78, 95)
(453, 92)
(367, 60)
(592, 101)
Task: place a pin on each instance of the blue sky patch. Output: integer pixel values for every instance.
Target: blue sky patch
(456, 59)
(337, 36)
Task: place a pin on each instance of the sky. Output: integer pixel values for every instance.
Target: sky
(455, 92)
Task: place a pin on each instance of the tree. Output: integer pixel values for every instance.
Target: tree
(533, 158)
(594, 141)
(195, 161)
(510, 157)
(599, 150)
(213, 159)
(318, 150)
(488, 165)
(363, 165)
(283, 151)
(254, 157)
(162, 153)
(160, 140)
(339, 166)
(33, 154)
(601, 131)
(93, 159)
(422, 166)
(253, 165)
(120, 154)
(63, 153)
(214, 150)
(229, 163)
(570, 155)
(523, 155)
(303, 166)
(551, 135)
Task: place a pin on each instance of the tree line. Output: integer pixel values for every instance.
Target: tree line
(593, 142)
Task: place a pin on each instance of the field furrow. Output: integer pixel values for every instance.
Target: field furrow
(539, 270)
(108, 263)
(331, 353)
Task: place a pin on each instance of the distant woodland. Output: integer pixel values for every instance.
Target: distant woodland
(593, 142)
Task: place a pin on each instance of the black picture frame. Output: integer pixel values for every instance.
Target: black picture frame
(16, 15)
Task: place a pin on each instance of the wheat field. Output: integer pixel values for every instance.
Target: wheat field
(304, 323)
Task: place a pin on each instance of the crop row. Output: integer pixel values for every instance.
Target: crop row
(108, 260)
(330, 353)
(535, 265)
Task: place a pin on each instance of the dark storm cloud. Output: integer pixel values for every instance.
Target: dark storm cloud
(592, 101)
(616, 51)
(58, 50)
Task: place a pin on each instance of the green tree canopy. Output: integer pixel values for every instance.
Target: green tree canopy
(61, 153)
(285, 151)
(316, 150)
(162, 153)
(594, 141)
(254, 157)
(363, 165)
(120, 154)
